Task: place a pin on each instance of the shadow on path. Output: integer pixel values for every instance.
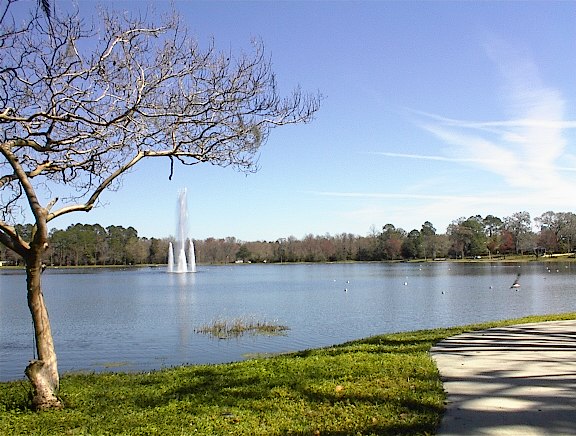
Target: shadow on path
(518, 380)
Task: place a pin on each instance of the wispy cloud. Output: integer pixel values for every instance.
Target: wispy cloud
(525, 150)
(490, 125)
(409, 211)
(486, 200)
(401, 196)
(483, 161)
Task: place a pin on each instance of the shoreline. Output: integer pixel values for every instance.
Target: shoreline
(565, 257)
(383, 384)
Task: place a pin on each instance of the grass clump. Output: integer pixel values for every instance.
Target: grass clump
(226, 329)
(383, 385)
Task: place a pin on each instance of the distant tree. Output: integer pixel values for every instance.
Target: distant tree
(83, 246)
(345, 246)
(158, 250)
(547, 241)
(457, 237)
(493, 230)
(290, 245)
(316, 249)
(367, 247)
(101, 250)
(261, 251)
(519, 225)
(467, 236)
(390, 243)
(549, 236)
(328, 248)
(548, 220)
(310, 250)
(118, 238)
(280, 250)
(411, 245)
(230, 247)
(79, 109)
(429, 241)
(58, 248)
(557, 230)
(442, 244)
(507, 244)
(137, 250)
(213, 250)
(567, 234)
(492, 225)
(243, 253)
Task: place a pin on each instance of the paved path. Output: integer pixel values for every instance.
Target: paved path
(518, 380)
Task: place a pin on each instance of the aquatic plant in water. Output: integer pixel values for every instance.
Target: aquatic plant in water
(233, 328)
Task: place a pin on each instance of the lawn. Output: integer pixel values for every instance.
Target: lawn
(383, 385)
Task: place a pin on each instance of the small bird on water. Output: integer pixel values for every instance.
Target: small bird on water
(516, 283)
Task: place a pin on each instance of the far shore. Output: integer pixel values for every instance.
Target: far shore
(514, 258)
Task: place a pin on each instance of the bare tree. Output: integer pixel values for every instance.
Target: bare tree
(80, 107)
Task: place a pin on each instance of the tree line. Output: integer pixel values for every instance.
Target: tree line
(93, 244)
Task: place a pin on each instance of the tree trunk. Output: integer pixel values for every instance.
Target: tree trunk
(42, 372)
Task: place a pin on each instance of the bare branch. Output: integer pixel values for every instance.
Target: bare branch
(89, 205)
(82, 119)
(45, 5)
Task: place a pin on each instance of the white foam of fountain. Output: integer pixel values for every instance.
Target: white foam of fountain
(177, 261)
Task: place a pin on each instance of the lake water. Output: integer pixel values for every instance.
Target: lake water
(143, 319)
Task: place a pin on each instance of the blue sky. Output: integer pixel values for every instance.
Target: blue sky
(433, 111)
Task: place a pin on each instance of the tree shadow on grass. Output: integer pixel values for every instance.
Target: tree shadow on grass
(311, 379)
(15, 396)
(303, 386)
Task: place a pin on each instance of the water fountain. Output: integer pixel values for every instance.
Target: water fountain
(177, 260)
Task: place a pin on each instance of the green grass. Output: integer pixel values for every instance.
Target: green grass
(383, 385)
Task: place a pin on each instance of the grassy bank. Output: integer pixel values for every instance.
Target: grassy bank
(382, 385)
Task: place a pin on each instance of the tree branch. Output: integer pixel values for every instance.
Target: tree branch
(10, 238)
(89, 205)
(82, 120)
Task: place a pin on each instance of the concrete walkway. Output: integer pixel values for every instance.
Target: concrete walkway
(518, 380)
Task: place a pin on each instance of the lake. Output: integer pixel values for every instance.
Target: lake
(142, 319)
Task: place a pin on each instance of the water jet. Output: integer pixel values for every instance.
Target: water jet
(181, 257)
